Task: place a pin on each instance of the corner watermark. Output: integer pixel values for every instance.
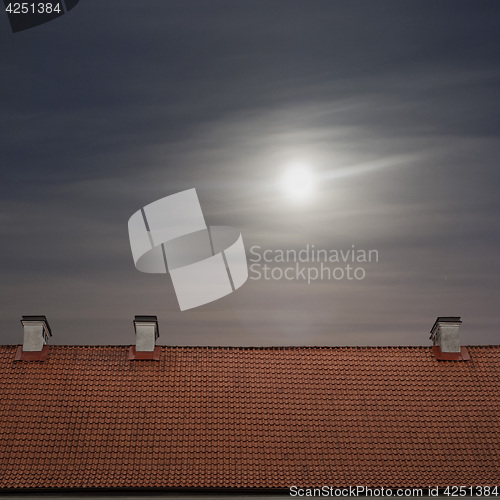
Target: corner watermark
(384, 492)
(26, 15)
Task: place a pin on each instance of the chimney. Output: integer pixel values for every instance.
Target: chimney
(36, 333)
(444, 333)
(146, 333)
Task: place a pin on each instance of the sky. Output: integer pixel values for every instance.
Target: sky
(392, 107)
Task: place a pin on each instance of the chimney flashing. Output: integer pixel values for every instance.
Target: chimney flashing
(31, 355)
(463, 355)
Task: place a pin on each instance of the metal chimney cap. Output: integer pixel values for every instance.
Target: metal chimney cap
(145, 320)
(41, 319)
(445, 319)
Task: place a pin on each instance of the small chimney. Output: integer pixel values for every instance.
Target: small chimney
(36, 333)
(146, 333)
(444, 333)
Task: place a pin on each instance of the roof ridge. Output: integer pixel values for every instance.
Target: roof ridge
(275, 347)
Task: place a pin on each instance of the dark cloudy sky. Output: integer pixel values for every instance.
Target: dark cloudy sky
(393, 105)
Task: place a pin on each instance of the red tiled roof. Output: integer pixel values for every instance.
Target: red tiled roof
(230, 417)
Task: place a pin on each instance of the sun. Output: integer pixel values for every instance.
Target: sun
(298, 183)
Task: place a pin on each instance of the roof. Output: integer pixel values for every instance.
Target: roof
(234, 417)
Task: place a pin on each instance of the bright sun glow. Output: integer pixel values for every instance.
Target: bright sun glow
(298, 183)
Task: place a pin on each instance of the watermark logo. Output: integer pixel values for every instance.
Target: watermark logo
(204, 262)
